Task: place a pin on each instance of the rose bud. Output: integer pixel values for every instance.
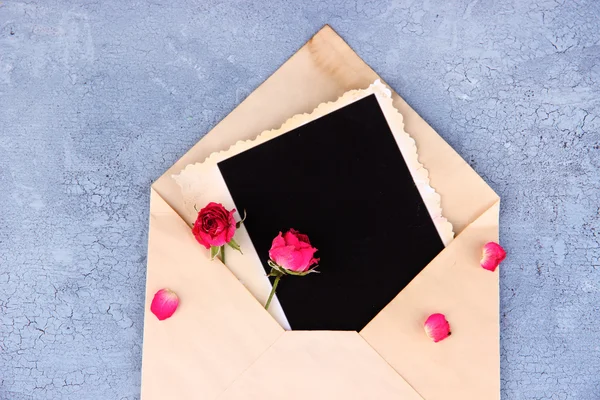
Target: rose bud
(291, 254)
(215, 227)
(164, 304)
(437, 328)
(493, 255)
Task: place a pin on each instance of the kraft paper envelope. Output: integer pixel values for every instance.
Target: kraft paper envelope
(222, 344)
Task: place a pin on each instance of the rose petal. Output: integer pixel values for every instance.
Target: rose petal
(200, 236)
(196, 229)
(493, 255)
(291, 239)
(299, 260)
(232, 226)
(437, 328)
(301, 237)
(278, 241)
(164, 304)
(282, 256)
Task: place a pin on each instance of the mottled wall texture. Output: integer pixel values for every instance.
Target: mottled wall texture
(98, 98)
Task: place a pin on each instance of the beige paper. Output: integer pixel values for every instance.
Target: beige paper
(218, 330)
(466, 365)
(221, 331)
(325, 365)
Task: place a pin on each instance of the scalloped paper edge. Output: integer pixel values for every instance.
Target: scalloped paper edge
(190, 178)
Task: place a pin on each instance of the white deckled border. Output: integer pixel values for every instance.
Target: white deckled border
(191, 177)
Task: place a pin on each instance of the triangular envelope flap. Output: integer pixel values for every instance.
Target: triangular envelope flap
(323, 70)
(320, 365)
(218, 330)
(467, 364)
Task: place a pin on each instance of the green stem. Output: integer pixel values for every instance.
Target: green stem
(273, 291)
(223, 254)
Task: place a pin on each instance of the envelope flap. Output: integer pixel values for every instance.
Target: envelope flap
(218, 330)
(320, 365)
(467, 364)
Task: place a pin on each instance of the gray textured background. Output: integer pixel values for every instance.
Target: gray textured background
(98, 98)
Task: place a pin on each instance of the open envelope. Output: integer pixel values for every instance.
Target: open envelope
(222, 344)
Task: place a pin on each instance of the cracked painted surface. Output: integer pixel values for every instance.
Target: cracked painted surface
(97, 99)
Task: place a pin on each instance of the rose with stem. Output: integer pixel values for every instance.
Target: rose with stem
(214, 228)
(290, 254)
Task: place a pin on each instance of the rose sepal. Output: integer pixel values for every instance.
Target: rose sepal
(239, 223)
(234, 245)
(214, 252)
(285, 271)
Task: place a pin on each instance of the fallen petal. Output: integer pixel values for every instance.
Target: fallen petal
(493, 254)
(437, 328)
(164, 304)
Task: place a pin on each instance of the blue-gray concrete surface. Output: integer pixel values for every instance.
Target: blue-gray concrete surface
(98, 98)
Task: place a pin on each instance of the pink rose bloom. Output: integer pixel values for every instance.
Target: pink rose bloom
(293, 251)
(215, 226)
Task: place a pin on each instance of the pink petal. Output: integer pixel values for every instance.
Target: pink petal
(291, 239)
(300, 260)
(283, 256)
(437, 328)
(164, 304)
(493, 255)
(301, 237)
(278, 241)
(232, 226)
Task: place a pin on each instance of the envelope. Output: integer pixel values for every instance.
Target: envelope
(222, 344)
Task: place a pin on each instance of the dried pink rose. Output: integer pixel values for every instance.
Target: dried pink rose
(292, 251)
(164, 304)
(437, 328)
(291, 254)
(493, 255)
(215, 225)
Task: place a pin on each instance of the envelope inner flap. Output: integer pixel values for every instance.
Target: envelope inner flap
(342, 180)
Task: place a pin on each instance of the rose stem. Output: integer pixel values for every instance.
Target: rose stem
(223, 254)
(273, 291)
